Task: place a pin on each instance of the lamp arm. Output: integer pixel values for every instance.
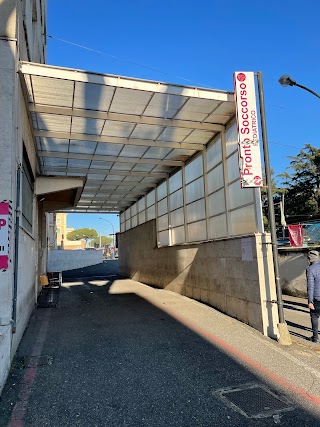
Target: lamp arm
(307, 89)
(113, 239)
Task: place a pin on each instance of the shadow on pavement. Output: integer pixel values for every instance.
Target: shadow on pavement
(290, 307)
(117, 360)
(299, 304)
(296, 325)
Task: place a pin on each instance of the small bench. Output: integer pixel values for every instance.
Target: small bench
(51, 280)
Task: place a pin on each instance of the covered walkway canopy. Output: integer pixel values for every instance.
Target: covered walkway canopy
(122, 135)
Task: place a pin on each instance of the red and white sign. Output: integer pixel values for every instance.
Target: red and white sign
(248, 132)
(295, 235)
(4, 235)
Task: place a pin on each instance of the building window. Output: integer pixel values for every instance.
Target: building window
(27, 181)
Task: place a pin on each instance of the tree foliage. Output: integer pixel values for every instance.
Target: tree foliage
(105, 240)
(82, 233)
(302, 185)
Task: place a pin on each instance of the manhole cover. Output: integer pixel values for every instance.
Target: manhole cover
(254, 400)
(35, 361)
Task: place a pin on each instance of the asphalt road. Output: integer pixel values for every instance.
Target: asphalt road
(109, 268)
(114, 359)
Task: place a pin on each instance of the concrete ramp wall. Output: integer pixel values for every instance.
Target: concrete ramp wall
(233, 275)
(293, 263)
(63, 260)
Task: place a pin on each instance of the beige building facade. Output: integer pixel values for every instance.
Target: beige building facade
(22, 38)
(22, 25)
(62, 231)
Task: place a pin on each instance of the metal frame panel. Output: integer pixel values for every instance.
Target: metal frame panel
(175, 121)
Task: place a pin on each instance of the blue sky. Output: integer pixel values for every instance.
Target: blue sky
(201, 43)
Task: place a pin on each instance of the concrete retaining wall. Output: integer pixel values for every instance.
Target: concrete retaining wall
(212, 272)
(293, 263)
(63, 260)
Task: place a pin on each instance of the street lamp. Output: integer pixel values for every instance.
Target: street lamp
(286, 80)
(113, 242)
(284, 337)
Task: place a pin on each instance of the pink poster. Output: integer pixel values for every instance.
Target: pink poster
(295, 235)
(4, 235)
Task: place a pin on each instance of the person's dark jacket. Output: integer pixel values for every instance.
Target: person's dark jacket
(313, 282)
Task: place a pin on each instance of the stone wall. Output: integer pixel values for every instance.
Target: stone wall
(212, 272)
(293, 263)
(63, 260)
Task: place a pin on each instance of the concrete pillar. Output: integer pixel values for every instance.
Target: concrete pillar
(8, 154)
(42, 243)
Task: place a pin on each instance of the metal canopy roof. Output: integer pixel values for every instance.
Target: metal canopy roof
(123, 134)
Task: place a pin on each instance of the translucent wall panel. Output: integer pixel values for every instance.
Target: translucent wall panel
(134, 221)
(162, 207)
(127, 214)
(194, 169)
(151, 212)
(196, 211)
(163, 238)
(122, 227)
(197, 231)
(231, 139)
(243, 221)
(217, 227)
(216, 203)
(188, 217)
(175, 182)
(176, 200)
(178, 235)
(233, 167)
(141, 204)
(214, 154)
(134, 210)
(215, 179)
(177, 218)
(162, 190)
(163, 223)
(142, 217)
(151, 198)
(195, 190)
(240, 196)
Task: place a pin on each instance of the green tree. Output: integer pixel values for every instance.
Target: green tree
(82, 233)
(105, 240)
(302, 186)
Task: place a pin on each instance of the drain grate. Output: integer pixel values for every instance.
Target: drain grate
(254, 400)
(35, 361)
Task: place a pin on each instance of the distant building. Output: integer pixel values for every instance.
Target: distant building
(62, 231)
(51, 230)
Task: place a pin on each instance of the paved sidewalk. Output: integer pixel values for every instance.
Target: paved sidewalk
(297, 315)
(125, 354)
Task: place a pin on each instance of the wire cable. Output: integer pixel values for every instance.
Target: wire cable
(285, 145)
(149, 68)
(124, 59)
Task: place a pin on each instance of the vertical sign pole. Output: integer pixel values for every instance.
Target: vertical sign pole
(283, 329)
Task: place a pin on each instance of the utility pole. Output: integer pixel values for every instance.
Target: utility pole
(284, 337)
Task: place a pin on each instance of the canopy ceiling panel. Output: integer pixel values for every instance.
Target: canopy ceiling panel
(124, 135)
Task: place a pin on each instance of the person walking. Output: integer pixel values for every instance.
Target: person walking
(313, 285)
